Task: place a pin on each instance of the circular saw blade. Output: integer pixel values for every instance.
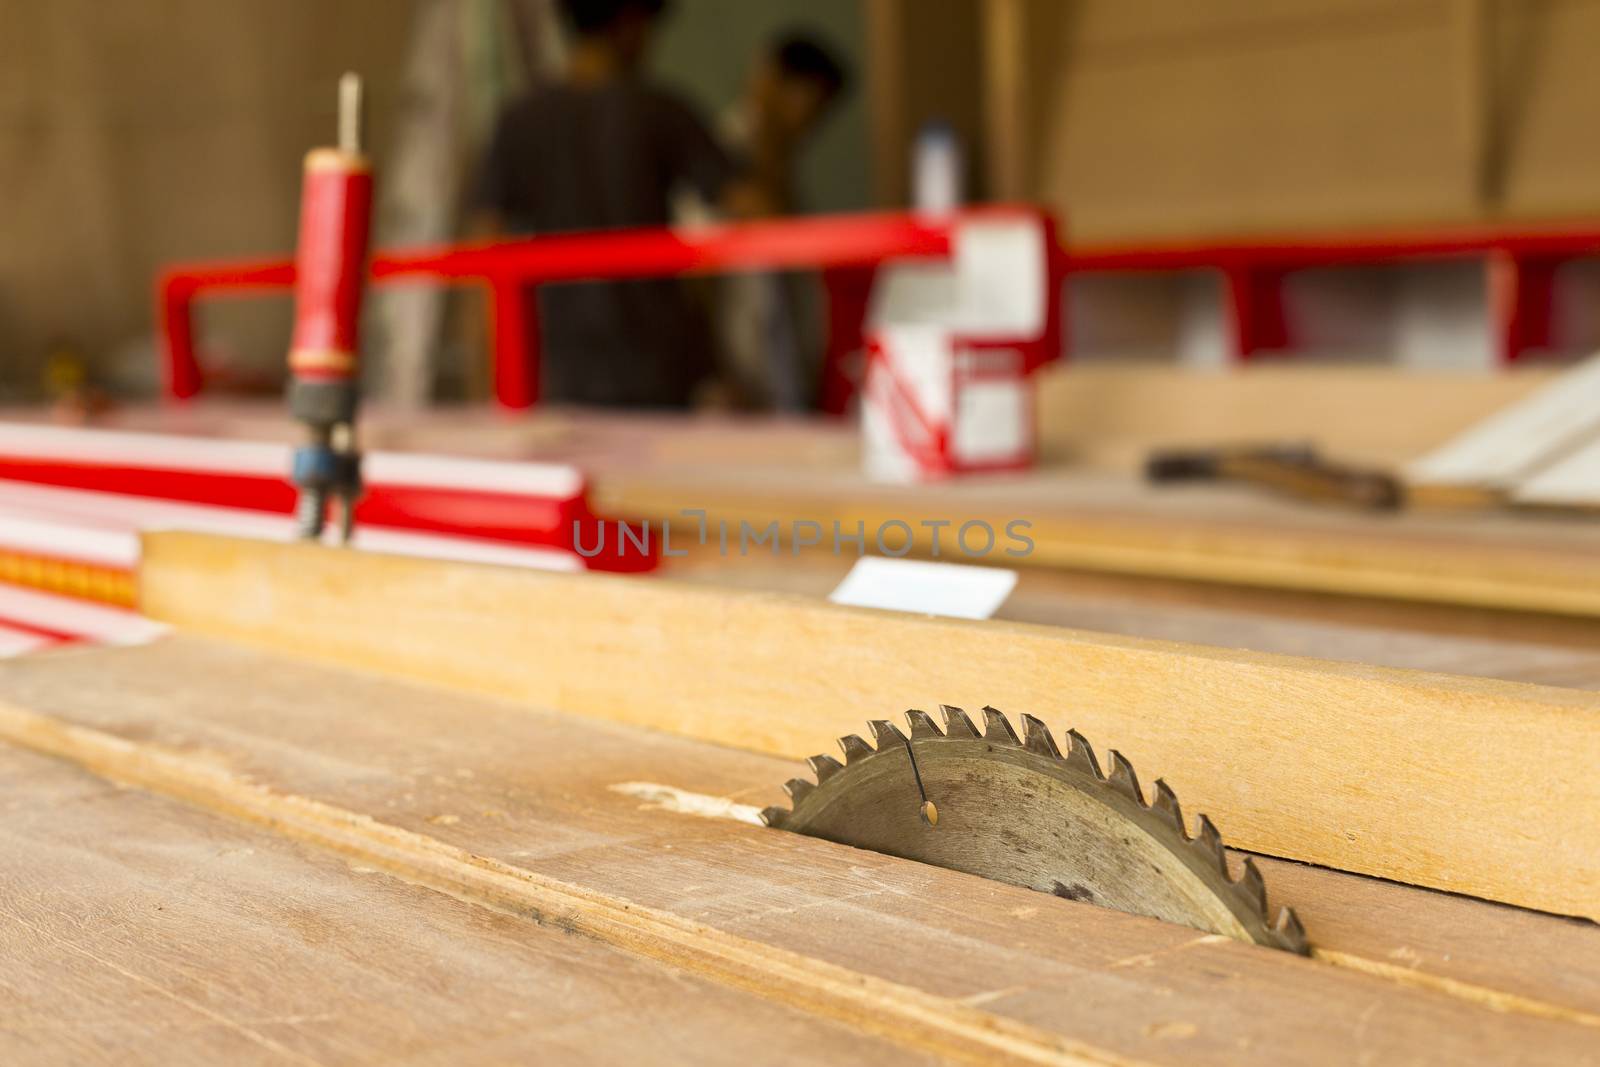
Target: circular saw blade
(1019, 810)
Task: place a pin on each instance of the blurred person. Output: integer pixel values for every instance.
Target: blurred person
(769, 356)
(603, 148)
(792, 87)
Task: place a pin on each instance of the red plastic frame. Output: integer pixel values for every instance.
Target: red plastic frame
(847, 248)
(1521, 264)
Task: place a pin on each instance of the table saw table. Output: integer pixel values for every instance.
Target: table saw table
(332, 818)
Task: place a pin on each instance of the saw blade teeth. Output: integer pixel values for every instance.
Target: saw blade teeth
(845, 796)
(1073, 765)
(956, 723)
(1254, 886)
(1290, 933)
(1080, 754)
(854, 748)
(1209, 842)
(1122, 778)
(1036, 737)
(824, 767)
(1166, 803)
(886, 734)
(997, 728)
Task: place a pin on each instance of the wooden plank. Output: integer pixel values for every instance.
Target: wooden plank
(1520, 440)
(1007, 148)
(1204, 532)
(1038, 593)
(1388, 643)
(945, 1030)
(1019, 57)
(887, 101)
(1505, 958)
(1114, 413)
(140, 930)
(1540, 649)
(532, 793)
(1572, 481)
(1209, 534)
(1465, 784)
(1322, 554)
(926, 67)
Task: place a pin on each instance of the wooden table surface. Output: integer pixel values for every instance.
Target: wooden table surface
(214, 852)
(240, 855)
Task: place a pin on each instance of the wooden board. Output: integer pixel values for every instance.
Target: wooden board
(1465, 784)
(1201, 533)
(1547, 650)
(1522, 439)
(1112, 414)
(141, 930)
(507, 807)
(1573, 481)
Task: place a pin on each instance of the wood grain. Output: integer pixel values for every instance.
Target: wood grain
(529, 791)
(1464, 784)
(946, 1030)
(1484, 129)
(1547, 650)
(1210, 534)
(140, 930)
(1358, 101)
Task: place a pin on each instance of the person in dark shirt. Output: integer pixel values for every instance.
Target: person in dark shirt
(602, 149)
(768, 322)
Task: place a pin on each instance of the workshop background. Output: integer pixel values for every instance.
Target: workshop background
(136, 134)
(727, 532)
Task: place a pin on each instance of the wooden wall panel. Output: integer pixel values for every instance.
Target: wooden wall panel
(1144, 118)
(925, 62)
(1548, 84)
(133, 134)
(1235, 116)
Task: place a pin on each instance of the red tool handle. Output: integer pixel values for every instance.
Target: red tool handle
(331, 265)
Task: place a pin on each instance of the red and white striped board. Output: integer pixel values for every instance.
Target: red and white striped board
(527, 504)
(31, 620)
(73, 503)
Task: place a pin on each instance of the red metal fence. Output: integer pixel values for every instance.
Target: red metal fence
(846, 248)
(1521, 264)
